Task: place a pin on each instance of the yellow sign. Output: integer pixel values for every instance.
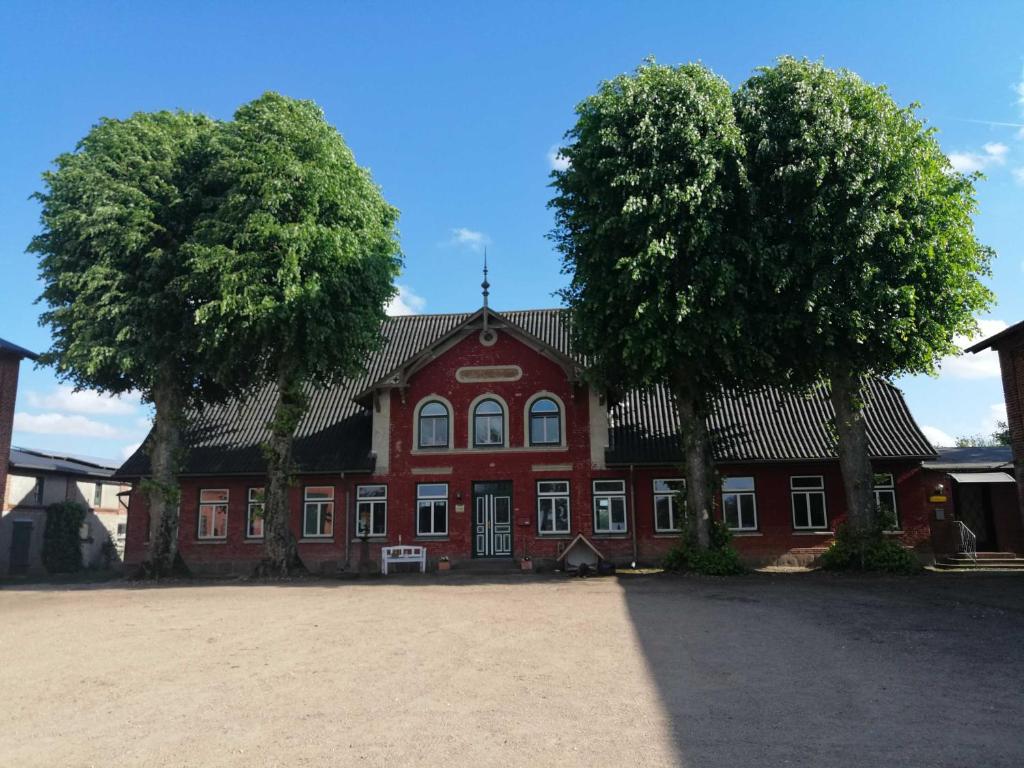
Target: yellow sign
(936, 499)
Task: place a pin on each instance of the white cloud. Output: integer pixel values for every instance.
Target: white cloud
(128, 450)
(996, 414)
(406, 302)
(61, 424)
(993, 153)
(983, 365)
(1018, 173)
(938, 438)
(66, 400)
(469, 238)
(556, 160)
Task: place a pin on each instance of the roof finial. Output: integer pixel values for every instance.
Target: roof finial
(485, 285)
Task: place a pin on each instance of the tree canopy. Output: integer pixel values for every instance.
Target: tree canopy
(647, 220)
(298, 254)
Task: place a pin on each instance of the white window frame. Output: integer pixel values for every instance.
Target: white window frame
(97, 496)
(880, 489)
(374, 505)
(546, 416)
(739, 502)
(211, 536)
(677, 515)
(250, 507)
(502, 416)
(434, 499)
(599, 496)
(551, 497)
(819, 490)
(419, 425)
(322, 506)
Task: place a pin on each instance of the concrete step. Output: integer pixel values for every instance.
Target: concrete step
(981, 565)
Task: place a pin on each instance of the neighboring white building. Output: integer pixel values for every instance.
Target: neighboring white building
(36, 479)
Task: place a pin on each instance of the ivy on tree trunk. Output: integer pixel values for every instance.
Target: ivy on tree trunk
(854, 460)
(161, 489)
(698, 467)
(280, 553)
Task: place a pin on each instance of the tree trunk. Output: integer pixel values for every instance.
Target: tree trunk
(854, 460)
(280, 553)
(697, 461)
(161, 490)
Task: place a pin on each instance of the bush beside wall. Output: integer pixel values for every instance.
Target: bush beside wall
(62, 549)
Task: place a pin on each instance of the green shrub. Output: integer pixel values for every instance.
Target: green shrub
(62, 549)
(720, 559)
(868, 550)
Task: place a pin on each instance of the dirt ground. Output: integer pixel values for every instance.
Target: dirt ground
(798, 669)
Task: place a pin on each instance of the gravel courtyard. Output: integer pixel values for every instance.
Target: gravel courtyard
(762, 670)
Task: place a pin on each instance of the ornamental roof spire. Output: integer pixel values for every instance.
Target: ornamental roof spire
(485, 285)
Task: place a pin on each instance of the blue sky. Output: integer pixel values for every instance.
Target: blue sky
(456, 109)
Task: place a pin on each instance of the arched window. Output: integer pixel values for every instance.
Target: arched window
(545, 422)
(433, 426)
(488, 423)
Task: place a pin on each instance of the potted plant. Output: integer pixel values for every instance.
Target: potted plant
(526, 563)
(444, 564)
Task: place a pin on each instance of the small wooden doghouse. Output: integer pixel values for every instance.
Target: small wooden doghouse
(580, 552)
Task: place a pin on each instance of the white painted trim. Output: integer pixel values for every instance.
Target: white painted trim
(739, 510)
(488, 374)
(655, 495)
(566, 494)
(371, 500)
(595, 495)
(433, 500)
(416, 424)
(227, 512)
(542, 395)
(381, 431)
(820, 491)
(306, 501)
(471, 437)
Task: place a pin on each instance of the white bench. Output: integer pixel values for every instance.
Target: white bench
(402, 554)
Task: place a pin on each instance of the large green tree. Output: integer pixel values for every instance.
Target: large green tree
(300, 252)
(867, 237)
(646, 222)
(117, 214)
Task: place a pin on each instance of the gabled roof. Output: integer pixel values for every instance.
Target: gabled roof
(996, 340)
(483, 318)
(33, 460)
(14, 349)
(335, 434)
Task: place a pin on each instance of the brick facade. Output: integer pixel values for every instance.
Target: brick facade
(458, 377)
(9, 365)
(1011, 364)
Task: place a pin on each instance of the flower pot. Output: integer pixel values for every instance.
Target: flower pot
(526, 565)
(444, 565)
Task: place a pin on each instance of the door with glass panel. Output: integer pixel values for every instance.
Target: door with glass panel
(492, 519)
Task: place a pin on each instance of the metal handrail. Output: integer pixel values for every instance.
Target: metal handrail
(968, 541)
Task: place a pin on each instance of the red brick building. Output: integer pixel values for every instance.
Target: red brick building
(476, 436)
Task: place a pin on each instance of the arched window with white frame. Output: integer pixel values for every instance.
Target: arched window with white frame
(488, 423)
(433, 426)
(545, 422)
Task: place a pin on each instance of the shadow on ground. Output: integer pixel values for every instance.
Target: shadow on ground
(821, 670)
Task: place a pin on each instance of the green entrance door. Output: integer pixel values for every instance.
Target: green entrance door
(492, 519)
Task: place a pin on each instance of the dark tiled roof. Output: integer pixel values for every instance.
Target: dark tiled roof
(335, 434)
(770, 425)
(14, 349)
(69, 464)
(982, 457)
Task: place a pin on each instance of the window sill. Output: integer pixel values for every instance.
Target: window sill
(431, 538)
(745, 534)
(371, 540)
(813, 533)
(667, 534)
(611, 535)
(556, 536)
(316, 540)
(210, 541)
